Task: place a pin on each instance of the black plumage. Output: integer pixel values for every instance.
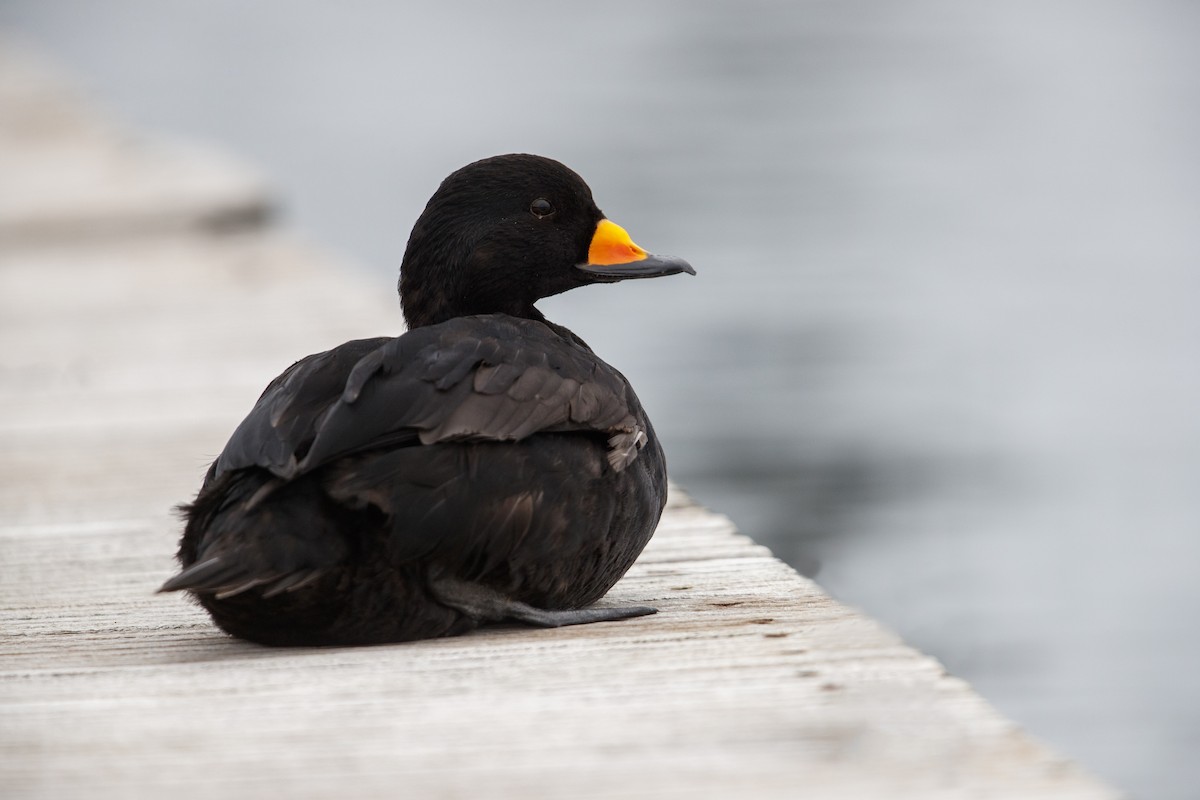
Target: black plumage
(485, 465)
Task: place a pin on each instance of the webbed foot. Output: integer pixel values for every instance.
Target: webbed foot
(488, 605)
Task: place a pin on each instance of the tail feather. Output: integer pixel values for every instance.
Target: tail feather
(292, 582)
(210, 575)
(248, 531)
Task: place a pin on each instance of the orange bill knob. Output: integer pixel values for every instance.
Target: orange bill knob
(612, 256)
(612, 245)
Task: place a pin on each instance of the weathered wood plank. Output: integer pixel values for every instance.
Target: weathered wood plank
(748, 680)
(126, 360)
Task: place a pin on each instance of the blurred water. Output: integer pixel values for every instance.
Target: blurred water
(943, 344)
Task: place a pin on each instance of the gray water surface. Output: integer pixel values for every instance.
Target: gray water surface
(943, 346)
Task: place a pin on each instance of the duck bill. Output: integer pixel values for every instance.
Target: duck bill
(612, 256)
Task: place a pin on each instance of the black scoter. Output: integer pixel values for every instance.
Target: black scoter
(484, 466)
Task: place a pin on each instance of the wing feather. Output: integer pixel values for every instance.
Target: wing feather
(485, 378)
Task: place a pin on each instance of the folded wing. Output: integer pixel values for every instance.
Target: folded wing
(484, 378)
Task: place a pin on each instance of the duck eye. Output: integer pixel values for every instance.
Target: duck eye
(541, 208)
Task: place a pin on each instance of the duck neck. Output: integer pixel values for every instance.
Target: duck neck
(422, 309)
(429, 308)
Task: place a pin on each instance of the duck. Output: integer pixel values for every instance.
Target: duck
(486, 466)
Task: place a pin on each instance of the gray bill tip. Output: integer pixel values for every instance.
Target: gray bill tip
(652, 266)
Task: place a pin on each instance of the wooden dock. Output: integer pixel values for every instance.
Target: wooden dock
(144, 303)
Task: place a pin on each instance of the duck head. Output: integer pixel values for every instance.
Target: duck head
(504, 232)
